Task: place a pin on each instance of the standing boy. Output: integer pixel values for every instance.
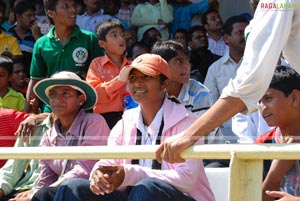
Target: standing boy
(65, 47)
(103, 71)
(25, 30)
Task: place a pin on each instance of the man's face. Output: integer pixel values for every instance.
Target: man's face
(64, 14)
(109, 7)
(214, 22)
(129, 38)
(26, 20)
(153, 33)
(199, 40)
(93, 5)
(236, 40)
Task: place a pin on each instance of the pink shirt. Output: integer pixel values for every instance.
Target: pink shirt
(188, 177)
(87, 129)
(103, 76)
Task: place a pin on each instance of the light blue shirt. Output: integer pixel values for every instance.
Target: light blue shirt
(183, 15)
(195, 97)
(89, 23)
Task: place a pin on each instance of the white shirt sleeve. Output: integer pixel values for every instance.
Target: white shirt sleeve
(269, 33)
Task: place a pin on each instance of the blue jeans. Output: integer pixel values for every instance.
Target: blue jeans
(144, 190)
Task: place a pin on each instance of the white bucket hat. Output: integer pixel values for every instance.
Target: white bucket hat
(66, 78)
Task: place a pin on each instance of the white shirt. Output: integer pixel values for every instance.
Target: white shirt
(149, 134)
(217, 77)
(217, 47)
(271, 32)
(249, 127)
(90, 23)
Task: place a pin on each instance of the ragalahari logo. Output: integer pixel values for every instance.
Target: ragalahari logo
(277, 6)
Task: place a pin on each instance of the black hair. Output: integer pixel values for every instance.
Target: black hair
(228, 25)
(167, 49)
(285, 79)
(103, 28)
(17, 60)
(2, 5)
(194, 29)
(6, 63)
(11, 4)
(142, 45)
(163, 78)
(50, 5)
(149, 40)
(204, 16)
(117, 5)
(183, 31)
(23, 6)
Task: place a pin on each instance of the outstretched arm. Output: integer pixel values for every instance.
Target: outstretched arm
(223, 109)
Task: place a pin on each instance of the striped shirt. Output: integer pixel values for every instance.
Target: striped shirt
(9, 123)
(195, 97)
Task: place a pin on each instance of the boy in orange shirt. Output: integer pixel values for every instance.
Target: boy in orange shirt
(104, 71)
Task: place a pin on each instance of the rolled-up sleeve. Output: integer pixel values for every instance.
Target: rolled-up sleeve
(269, 32)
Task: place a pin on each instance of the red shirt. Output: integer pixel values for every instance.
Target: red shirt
(266, 137)
(9, 123)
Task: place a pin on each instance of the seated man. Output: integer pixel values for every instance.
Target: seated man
(69, 97)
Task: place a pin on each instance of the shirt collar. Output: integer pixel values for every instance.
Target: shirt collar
(98, 13)
(75, 32)
(226, 59)
(106, 60)
(183, 94)
(47, 122)
(153, 128)
(208, 36)
(74, 130)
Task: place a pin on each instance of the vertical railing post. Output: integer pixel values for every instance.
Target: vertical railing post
(245, 179)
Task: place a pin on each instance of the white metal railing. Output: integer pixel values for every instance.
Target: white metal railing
(245, 167)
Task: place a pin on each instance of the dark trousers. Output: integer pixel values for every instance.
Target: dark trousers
(112, 118)
(145, 190)
(45, 194)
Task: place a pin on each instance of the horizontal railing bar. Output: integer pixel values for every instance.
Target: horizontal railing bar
(212, 151)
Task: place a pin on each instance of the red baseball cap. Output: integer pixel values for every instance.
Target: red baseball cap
(149, 64)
